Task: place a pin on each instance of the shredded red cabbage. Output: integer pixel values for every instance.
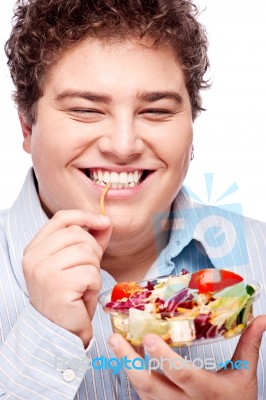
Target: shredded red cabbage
(203, 327)
(182, 296)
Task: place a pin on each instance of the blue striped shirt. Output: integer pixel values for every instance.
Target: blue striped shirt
(32, 346)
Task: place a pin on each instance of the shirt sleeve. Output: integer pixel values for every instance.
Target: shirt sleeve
(40, 360)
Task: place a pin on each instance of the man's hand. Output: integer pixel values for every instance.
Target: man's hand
(195, 384)
(62, 269)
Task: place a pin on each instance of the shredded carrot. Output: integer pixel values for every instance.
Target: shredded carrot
(105, 190)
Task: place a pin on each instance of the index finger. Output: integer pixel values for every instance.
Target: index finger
(145, 380)
(180, 371)
(65, 218)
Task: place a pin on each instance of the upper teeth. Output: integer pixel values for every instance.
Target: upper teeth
(117, 180)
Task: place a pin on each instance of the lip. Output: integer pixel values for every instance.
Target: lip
(116, 194)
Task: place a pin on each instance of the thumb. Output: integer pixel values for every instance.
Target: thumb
(249, 343)
(103, 234)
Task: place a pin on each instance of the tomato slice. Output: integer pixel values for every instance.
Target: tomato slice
(124, 290)
(212, 280)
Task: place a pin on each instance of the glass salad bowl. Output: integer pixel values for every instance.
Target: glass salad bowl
(199, 308)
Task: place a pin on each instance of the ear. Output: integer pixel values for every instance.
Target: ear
(27, 132)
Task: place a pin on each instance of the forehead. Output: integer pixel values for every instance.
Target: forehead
(125, 65)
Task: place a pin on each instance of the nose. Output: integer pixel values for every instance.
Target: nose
(122, 141)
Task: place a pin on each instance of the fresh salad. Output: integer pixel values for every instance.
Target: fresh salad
(206, 304)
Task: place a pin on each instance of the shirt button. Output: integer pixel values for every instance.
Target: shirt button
(69, 375)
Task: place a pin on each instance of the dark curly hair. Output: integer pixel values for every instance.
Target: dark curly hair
(44, 29)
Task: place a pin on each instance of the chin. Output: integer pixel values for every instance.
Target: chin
(127, 226)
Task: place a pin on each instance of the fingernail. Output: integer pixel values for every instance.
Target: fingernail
(113, 342)
(104, 219)
(149, 344)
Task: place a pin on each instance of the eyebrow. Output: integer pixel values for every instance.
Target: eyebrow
(148, 97)
(91, 96)
(156, 96)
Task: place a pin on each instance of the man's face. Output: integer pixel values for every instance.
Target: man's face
(118, 112)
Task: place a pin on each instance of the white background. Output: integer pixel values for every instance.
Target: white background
(230, 138)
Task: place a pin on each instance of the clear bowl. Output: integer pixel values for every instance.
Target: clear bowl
(178, 330)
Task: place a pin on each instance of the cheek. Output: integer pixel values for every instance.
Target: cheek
(176, 154)
(176, 150)
(177, 139)
(49, 146)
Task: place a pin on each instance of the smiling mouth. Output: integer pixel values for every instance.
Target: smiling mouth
(118, 180)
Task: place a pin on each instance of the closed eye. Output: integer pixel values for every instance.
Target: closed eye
(157, 114)
(86, 111)
(156, 111)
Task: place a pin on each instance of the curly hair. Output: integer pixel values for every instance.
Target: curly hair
(44, 29)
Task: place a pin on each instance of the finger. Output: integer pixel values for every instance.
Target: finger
(248, 346)
(149, 385)
(81, 279)
(67, 237)
(72, 256)
(90, 299)
(70, 284)
(65, 218)
(83, 282)
(180, 371)
(88, 279)
(102, 236)
(69, 258)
